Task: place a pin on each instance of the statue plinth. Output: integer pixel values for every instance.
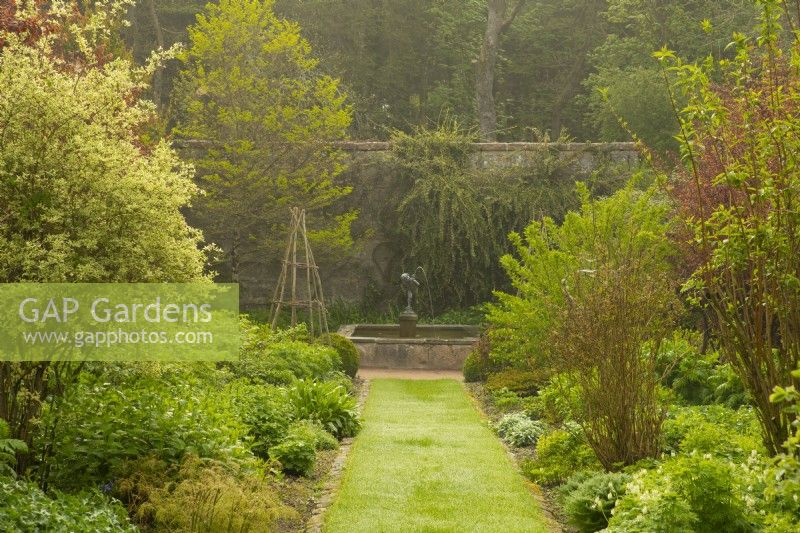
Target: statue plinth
(408, 324)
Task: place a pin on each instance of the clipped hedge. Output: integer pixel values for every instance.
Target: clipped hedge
(348, 353)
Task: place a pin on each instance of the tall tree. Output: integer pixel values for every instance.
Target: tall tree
(403, 62)
(498, 20)
(739, 195)
(623, 64)
(158, 77)
(251, 90)
(84, 196)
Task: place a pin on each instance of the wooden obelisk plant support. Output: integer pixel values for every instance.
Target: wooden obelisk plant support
(310, 297)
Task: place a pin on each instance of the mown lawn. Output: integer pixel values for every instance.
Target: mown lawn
(425, 461)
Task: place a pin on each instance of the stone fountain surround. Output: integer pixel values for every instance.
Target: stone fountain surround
(420, 353)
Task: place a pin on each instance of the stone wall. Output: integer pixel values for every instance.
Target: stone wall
(368, 274)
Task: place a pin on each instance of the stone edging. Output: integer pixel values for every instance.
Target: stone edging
(334, 476)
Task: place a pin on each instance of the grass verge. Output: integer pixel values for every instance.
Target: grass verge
(425, 461)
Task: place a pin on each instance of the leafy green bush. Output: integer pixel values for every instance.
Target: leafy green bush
(99, 426)
(340, 378)
(348, 353)
(782, 478)
(560, 454)
(473, 369)
(666, 512)
(9, 448)
(506, 401)
(477, 366)
(312, 430)
(713, 429)
(522, 382)
(296, 453)
(554, 401)
(696, 378)
(519, 430)
(734, 196)
(282, 356)
(589, 498)
(590, 294)
(265, 411)
(327, 403)
(701, 494)
(26, 508)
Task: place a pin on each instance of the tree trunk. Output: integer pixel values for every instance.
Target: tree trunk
(497, 22)
(590, 20)
(567, 93)
(158, 78)
(235, 259)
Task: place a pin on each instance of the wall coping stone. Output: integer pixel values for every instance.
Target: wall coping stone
(385, 146)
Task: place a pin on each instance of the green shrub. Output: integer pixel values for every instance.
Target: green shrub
(327, 403)
(23, 507)
(519, 430)
(9, 448)
(296, 453)
(589, 498)
(560, 454)
(684, 493)
(340, 378)
(267, 414)
(590, 293)
(312, 430)
(727, 387)
(209, 496)
(100, 426)
(522, 382)
(666, 512)
(782, 495)
(473, 369)
(554, 400)
(712, 429)
(477, 365)
(506, 401)
(782, 477)
(282, 356)
(348, 353)
(695, 378)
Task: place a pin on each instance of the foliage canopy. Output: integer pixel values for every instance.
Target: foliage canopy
(251, 90)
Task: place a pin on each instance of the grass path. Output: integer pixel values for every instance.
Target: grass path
(425, 462)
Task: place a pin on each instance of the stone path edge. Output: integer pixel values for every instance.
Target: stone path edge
(334, 476)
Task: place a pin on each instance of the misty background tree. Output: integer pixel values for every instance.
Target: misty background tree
(251, 91)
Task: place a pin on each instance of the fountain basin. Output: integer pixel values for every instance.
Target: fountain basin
(436, 347)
